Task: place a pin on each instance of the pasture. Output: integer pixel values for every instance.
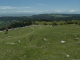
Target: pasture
(41, 42)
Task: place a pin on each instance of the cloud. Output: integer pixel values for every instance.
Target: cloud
(29, 11)
(72, 10)
(10, 7)
(59, 11)
(66, 11)
(6, 7)
(41, 4)
(24, 11)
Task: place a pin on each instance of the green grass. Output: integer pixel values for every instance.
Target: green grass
(41, 43)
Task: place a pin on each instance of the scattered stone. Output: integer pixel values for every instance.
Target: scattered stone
(19, 41)
(62, 41)
(44, 39)
(76, 39)
(8, 36)
(11, 43)
(48, 43)
(78, 43)
(67, 56)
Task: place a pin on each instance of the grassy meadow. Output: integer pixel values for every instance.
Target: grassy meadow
(41, 42)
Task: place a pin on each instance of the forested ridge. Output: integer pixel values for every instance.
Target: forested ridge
(44, 19)
(43, 16)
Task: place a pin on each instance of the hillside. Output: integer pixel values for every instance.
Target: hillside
(57, 16)
(41, 42)
(7, 20)
(43, 16)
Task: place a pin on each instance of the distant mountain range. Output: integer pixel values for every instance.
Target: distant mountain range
(41, 16)
(17, 15)
(7, 20)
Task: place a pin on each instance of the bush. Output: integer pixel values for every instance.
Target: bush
(45, 24)
(3, 28)
(55, 23)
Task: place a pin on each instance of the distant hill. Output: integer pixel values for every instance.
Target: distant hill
(57, 16)
(7, 20)
(43, 16)
(17, 15)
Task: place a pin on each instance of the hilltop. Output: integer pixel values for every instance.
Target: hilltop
(41, 42)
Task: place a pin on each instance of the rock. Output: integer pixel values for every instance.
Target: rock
(67, 56)
(62, 41)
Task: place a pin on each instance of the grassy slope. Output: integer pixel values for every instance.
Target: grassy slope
(40, 43)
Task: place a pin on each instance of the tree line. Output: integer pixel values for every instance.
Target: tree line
(40, 22)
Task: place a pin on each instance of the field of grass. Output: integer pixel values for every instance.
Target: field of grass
(41, 43)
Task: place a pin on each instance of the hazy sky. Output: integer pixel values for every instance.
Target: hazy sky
(39, 6)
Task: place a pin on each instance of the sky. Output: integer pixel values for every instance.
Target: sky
(39, 6)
